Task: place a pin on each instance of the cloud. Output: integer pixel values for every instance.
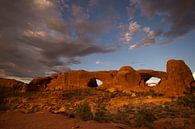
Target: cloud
(149, 40)
(179, 14)
(35, 39)
(129, 31)
(92, 3)
(98, 62)
(148, 36)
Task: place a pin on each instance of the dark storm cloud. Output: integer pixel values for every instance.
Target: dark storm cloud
(179, 14)
(34, 39)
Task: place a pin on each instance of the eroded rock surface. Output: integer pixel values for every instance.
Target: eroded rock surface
(12, 85)
(179, 77)
(173, 82)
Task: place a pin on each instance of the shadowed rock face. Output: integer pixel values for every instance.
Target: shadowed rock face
(11, 84)
(173, 82)
(39, 83)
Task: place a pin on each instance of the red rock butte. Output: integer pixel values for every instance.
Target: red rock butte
(174, 81)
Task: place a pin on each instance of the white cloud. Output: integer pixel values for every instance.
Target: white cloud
(126, 37)
(99, 62)
(148, 40)
(129, 32)
(43, 3)
(149, 37)
(133, 27)
(146, 29)
(134, 46)
(107, 64)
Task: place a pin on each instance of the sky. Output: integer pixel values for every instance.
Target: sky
(41, 37)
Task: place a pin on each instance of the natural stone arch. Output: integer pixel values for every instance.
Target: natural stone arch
(93, 82)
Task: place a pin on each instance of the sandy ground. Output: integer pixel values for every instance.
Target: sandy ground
(18, 120)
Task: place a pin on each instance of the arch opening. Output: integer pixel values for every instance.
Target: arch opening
(153, 81)
(93, 82)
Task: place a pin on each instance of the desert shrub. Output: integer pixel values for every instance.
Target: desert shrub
(122, 115)
(188, 99)
(83, 111)
(102, 114)
(148, 93)
(144, 117)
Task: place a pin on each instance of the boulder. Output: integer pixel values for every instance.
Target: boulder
(126, 68)
(39, 83)
(179, 77)
(179, 73)
(127, 77)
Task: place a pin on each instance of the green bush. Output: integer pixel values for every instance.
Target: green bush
(144, 117)
(83, 111)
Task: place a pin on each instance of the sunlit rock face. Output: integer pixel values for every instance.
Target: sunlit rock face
(177, 70)
(82, 79)
(172, 82)
(127, 78)
(179, 77)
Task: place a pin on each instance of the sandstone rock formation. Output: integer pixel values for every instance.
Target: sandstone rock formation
(12, 85)
(127, 78)
(177, 70)
(192, 84)
(147, 74)
(173, 82)
(179, 77)
(39, 83)
(81, 79)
